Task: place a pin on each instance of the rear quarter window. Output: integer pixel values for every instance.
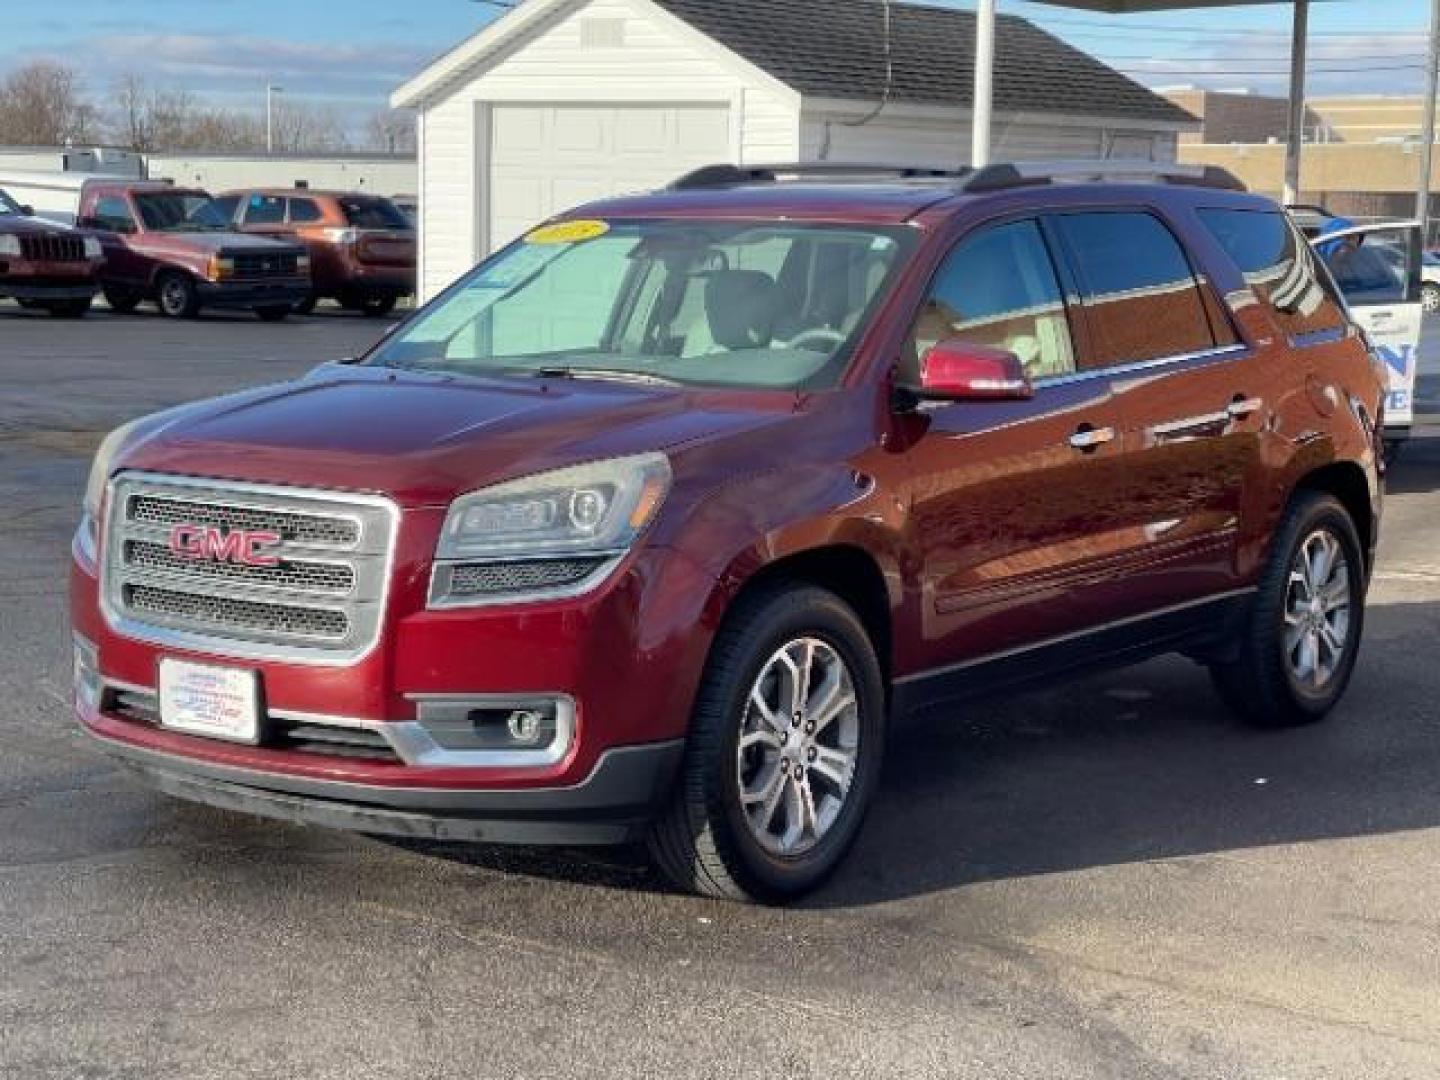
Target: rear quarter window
(1279, 265)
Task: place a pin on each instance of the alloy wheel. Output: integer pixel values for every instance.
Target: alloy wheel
(1317, 610)
(799, 742)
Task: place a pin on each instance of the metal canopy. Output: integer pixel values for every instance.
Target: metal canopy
(985, 70)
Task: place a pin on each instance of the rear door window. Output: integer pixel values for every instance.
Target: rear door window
(1141, 296)
(1280, 266)
(227, 205)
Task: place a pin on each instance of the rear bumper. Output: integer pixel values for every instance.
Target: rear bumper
(612, 805)
(253, 294)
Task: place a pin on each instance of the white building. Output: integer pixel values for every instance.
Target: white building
(380, 174)
(564, 101)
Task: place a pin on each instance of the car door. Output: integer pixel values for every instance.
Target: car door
(113, 220)
(1191, 400)
(264, 215)
(1377, 269)
(1018, 507)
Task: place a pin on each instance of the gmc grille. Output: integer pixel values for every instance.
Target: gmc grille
(318, 596)
(46, 247)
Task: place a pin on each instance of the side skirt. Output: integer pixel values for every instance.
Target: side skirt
(1202, 628)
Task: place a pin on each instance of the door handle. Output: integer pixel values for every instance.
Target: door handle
(1244, 406)
(1088, 439)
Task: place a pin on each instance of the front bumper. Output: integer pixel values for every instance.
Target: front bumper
(612, 805)
(253, 294)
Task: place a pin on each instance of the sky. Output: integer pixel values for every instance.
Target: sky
(350, 54)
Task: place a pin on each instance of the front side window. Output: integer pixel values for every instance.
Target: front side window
(745, 304)
(1279, 265)
(264, 210)
(999, 288)
(304, 211)
(1371, 268)
(180, 211)
(1141, 296)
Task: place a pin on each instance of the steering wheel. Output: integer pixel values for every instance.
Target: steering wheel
(820, 339)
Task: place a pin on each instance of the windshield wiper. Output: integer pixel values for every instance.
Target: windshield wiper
(609, 374)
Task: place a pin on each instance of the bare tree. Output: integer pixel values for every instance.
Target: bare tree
(391, 130)
(302, 127)
(146, 118)
(42, 104)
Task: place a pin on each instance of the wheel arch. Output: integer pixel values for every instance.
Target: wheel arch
(1347, 482)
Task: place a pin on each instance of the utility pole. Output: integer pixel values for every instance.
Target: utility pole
(1427, 130)
(983, 111)
(1299, 44)
(270, 91)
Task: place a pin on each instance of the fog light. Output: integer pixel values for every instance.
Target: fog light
(526, 726)
(86, 674)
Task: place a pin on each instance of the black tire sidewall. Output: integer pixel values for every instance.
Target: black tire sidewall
(791, 615)
(183, 311)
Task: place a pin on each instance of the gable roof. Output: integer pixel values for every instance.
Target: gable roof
(837, 50)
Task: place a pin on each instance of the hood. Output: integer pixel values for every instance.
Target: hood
(31, 226)
(424, 439)
(214, 242)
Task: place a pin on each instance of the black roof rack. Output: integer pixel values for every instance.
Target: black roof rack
(1000, 177)
(713, 176)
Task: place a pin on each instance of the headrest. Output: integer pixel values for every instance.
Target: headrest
(741, 306)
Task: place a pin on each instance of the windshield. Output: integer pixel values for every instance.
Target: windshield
(745, 304)
(174, 211)
(373, 214)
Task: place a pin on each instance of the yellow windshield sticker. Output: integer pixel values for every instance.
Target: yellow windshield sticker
(568, 232)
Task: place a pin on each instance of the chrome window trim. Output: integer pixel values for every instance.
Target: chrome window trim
(439, 598)
(222, 647)
(1218, 353)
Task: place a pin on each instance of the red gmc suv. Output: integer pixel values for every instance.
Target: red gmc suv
(651, 524)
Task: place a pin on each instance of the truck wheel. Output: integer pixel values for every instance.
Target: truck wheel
(784, 750)
(176, 295)
(306, 306)
(375, 307)
(1302, 634)
(121, 300)
(68, 309)
(273, 314)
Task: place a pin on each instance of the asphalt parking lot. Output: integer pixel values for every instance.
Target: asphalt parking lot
(1107, 881)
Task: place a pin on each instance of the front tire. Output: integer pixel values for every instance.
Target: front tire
(1302, 636)
(177, 296)
(121, 300)
(784, 752)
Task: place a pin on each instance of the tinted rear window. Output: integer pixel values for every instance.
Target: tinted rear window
(1141, 296)
(1279, 266)
(373, 214)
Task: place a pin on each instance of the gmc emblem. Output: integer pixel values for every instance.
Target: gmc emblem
(204, 542)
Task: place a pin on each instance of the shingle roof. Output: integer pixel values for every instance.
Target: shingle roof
(835, 49)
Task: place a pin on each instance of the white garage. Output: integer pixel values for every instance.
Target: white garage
(564, 101)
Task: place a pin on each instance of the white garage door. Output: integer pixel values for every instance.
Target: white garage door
(545, 158)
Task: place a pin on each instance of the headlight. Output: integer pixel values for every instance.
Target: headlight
(341, 236)
(87, 539)
(555, 533)
(220, 267)
(9, 245)
(93, 250)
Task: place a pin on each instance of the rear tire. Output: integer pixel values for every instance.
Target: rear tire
(1300, 640)
(68, 309)
(378, 306)
(121, 300)
(273, 314)
(771, 819)
(177, 296)
(306, 306)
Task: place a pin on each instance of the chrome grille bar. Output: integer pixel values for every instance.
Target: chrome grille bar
(318, 595)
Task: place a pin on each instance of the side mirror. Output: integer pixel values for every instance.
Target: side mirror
(957, 370)
(27, 210)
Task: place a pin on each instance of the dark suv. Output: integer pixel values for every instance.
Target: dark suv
(650, 526)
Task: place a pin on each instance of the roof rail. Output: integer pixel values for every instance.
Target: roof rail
(714, 176)
(1034, 173)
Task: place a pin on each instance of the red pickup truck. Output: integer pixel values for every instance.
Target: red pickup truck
(174, 246)
(46, 266)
